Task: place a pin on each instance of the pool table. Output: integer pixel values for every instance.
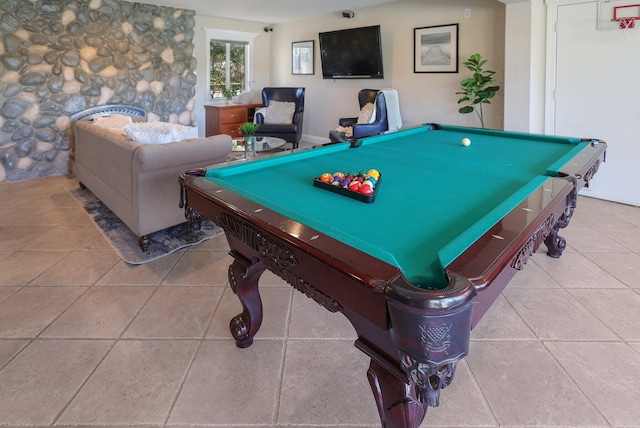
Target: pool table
(414, 270)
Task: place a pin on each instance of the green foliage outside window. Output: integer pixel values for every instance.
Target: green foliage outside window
(221, 64)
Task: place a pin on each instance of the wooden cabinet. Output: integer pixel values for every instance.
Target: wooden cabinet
(227, 118)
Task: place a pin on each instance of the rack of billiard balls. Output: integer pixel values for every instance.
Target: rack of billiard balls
(359, 185)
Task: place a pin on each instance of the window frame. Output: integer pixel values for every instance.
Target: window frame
(231, 36)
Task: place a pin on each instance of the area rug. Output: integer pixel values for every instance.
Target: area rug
(125, 242)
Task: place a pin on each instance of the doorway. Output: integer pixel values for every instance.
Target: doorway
(595, 91)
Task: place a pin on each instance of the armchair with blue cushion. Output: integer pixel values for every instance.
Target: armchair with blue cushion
(289, 128)
(379, 124)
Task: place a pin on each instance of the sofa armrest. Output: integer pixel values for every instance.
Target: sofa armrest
(102, 157)
(156, 168)
(151, 157)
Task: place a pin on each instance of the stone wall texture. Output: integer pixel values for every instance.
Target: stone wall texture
(59, 57)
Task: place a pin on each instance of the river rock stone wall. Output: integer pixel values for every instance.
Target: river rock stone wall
(59, 57)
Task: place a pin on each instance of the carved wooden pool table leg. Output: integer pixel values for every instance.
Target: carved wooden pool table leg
(555, 243)
(397, 403)
(244, 283)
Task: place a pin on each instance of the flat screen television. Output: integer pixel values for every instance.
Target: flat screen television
(354, 53)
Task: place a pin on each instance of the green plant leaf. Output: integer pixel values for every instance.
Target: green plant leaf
(248, 128)
(476, 90)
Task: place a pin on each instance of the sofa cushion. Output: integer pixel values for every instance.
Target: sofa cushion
(159, 132)
(280, 112)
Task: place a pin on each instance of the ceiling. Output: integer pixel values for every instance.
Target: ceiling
(267, 11)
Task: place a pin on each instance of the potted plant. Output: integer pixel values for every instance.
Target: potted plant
(248, 130)
(477, 89)
(228, 94)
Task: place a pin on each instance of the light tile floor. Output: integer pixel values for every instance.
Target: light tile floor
(87, 340)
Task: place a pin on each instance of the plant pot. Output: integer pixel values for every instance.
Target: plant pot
(250, 145)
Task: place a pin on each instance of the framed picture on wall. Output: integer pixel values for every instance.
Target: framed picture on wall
(302, 57)
(435, 49)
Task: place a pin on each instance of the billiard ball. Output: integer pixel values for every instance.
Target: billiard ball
(366, 190)
(326, 178)
(466, 142)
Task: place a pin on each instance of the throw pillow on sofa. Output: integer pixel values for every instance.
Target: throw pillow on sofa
(113, 121)
(159, 132)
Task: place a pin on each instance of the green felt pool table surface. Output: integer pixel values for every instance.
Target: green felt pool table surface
(436, 196)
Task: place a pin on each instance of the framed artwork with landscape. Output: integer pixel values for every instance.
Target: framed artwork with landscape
(435, 49)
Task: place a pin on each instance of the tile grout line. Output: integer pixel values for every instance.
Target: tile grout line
(283, 358)
(104, 357)
(574, 381)
(187, 370)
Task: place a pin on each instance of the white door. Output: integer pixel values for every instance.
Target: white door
(597, 93)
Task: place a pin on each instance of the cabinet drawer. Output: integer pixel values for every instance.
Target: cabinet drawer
(234, 115)
(231, 129)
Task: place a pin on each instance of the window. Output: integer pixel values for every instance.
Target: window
(227, 67)
(229, 57)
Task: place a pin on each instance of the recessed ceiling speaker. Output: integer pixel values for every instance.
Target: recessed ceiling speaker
(348, 14)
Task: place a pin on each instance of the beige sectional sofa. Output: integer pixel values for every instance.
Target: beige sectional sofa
(139, 182)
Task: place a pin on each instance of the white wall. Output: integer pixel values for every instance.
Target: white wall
(517, 71)
(524, 74)
(424, 97)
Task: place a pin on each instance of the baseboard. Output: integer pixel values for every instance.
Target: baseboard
(315, 139)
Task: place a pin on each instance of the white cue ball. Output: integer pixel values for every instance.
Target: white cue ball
(466, 142)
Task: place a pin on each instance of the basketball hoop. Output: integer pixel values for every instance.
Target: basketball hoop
(625, 17)
(626, 23)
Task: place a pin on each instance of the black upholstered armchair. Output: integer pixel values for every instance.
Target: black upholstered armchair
(379, 125)
(291, 132)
